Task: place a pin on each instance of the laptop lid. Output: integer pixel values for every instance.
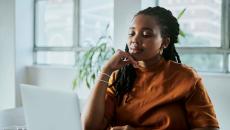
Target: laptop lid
(47, 109)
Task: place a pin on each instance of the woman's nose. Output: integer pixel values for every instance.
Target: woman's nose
(133, 45)
(136, 39)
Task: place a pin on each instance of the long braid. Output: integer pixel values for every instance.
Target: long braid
(169, 28)
(170, 53)
(124, 83)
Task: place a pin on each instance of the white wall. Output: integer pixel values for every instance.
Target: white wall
(7, 54)
(24, 42)
(16, 40)
(51, 76)
(218, 86)
(58, 77)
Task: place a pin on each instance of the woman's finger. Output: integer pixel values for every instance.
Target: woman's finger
(125, 127)
(130, 57)
(124, 55)
(122, 58)
(117, 128)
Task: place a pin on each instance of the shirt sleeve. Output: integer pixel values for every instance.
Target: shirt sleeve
(110, 101)
(200, 110)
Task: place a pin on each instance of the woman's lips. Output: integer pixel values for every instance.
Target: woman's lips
(135, 50)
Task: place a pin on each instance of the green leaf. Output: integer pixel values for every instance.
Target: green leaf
(113, 50)
(181, 14)
(87, 83)
(94, 76)
(74, 83)
(182, 33)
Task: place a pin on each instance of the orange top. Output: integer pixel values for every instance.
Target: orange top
(168, 96)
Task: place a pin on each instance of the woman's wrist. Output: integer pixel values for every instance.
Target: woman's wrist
(104, 74)
(107, 71)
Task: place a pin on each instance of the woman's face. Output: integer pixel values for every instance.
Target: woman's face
(145, 39)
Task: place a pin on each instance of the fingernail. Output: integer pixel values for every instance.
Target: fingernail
(134, 66)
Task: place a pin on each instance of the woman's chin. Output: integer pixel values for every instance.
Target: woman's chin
(137, 57)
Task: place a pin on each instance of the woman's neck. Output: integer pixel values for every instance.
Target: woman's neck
(150, 62)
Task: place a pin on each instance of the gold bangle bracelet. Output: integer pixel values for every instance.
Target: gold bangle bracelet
(103, 81)
(105, 74)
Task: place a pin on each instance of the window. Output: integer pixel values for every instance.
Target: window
(58, 35)
(54, 26)
(54, 23)
(64, 28)
(206, 26)
(201, 22)
(95, 17)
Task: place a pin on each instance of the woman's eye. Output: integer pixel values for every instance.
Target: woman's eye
(146, 34)
(131, 34)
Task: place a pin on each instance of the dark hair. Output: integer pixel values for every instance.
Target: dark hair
(169, 28)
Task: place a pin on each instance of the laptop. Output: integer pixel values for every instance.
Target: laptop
(47, 109)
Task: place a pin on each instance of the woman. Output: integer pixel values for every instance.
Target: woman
(146, 87)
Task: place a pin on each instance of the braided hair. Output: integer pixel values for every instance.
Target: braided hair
(169, 28)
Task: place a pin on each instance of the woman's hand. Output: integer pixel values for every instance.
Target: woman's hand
(126, 127)
(120, 59)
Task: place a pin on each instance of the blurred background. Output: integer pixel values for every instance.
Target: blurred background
(42, 42)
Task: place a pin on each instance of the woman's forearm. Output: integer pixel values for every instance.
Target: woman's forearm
(93, 116)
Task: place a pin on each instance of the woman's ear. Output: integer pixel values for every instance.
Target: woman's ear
(165, 42)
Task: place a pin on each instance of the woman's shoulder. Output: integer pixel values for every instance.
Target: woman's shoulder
(182, 75)
(182, 70)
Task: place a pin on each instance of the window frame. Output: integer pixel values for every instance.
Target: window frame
(76, 35)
